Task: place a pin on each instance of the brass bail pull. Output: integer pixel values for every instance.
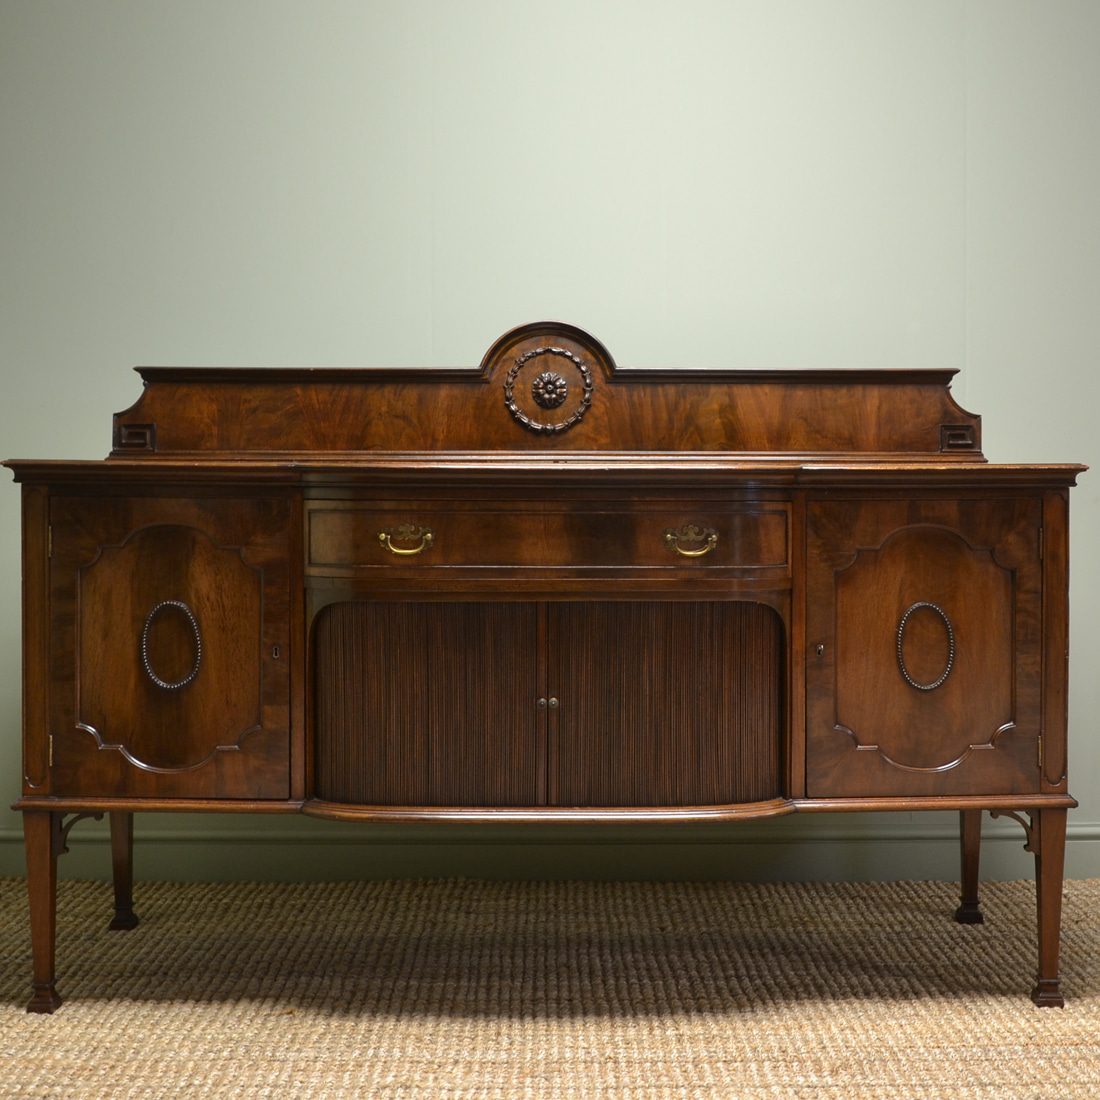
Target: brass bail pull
(406, 532)
(691, 541)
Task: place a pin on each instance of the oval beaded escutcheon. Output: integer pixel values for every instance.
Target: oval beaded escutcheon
(950, 663)
(150, 619)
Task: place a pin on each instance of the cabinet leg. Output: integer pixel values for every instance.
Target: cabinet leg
(122, 868)
(970, 845)
(1049, 847)
(42, 838)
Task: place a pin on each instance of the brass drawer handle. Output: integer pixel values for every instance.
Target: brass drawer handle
(407, 532)
(698, 540)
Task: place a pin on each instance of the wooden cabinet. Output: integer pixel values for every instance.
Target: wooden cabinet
(169, 647)
(925, 626)
(593, 704)
(544, 589)
(751, 540)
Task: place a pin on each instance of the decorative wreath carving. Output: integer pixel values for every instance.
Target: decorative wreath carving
(549, 390)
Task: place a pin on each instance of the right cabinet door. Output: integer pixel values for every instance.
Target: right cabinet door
(923, 647)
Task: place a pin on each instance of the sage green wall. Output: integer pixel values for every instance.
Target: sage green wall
(855, 183)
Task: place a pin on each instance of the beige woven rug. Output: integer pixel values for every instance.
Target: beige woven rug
(502, 990)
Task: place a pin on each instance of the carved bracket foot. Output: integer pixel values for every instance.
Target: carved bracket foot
(66, 828)
(969, 913)
(1028, 825)
(45, 999)
(1048, 993)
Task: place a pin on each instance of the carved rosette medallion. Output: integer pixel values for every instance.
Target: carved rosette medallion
(549, 389)
(544, 380)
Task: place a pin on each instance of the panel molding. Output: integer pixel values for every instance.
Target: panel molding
(229, 741)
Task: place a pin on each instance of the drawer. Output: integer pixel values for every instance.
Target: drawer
(345, 537)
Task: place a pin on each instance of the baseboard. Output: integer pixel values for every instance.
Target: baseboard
(815, 850)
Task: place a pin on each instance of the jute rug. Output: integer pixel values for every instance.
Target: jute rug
(497, 991)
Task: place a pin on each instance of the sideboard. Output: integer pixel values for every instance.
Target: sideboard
(547, 588)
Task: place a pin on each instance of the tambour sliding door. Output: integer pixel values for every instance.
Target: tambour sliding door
(424, 703)
(664, 703)
(625, 703)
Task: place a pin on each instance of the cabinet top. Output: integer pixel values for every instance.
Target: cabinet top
(546, 394)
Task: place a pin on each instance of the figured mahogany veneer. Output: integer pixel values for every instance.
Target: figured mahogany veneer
(964, 669)
(342, 537)
(217, 570)
(226, 412)
(547, 588)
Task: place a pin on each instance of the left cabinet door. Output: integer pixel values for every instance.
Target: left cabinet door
(169, 647)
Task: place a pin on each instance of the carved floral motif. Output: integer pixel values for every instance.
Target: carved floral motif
(549, 389)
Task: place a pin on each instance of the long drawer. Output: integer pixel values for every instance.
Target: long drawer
(346, 537)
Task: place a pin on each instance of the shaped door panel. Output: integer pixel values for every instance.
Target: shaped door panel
(170, 648)
(924, 668)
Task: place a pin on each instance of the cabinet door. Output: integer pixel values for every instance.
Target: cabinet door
(665, 703)
(428, 704)
(169, 647)
(923, 647)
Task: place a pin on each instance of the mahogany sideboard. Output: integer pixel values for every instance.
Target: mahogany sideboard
(547, 588)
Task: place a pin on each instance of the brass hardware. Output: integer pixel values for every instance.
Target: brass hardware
(274, 652)
(407, 532)
(950, 646)
(541, 704)
(820, 649)
(552, 702)
(171, 685)
(704, 539)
